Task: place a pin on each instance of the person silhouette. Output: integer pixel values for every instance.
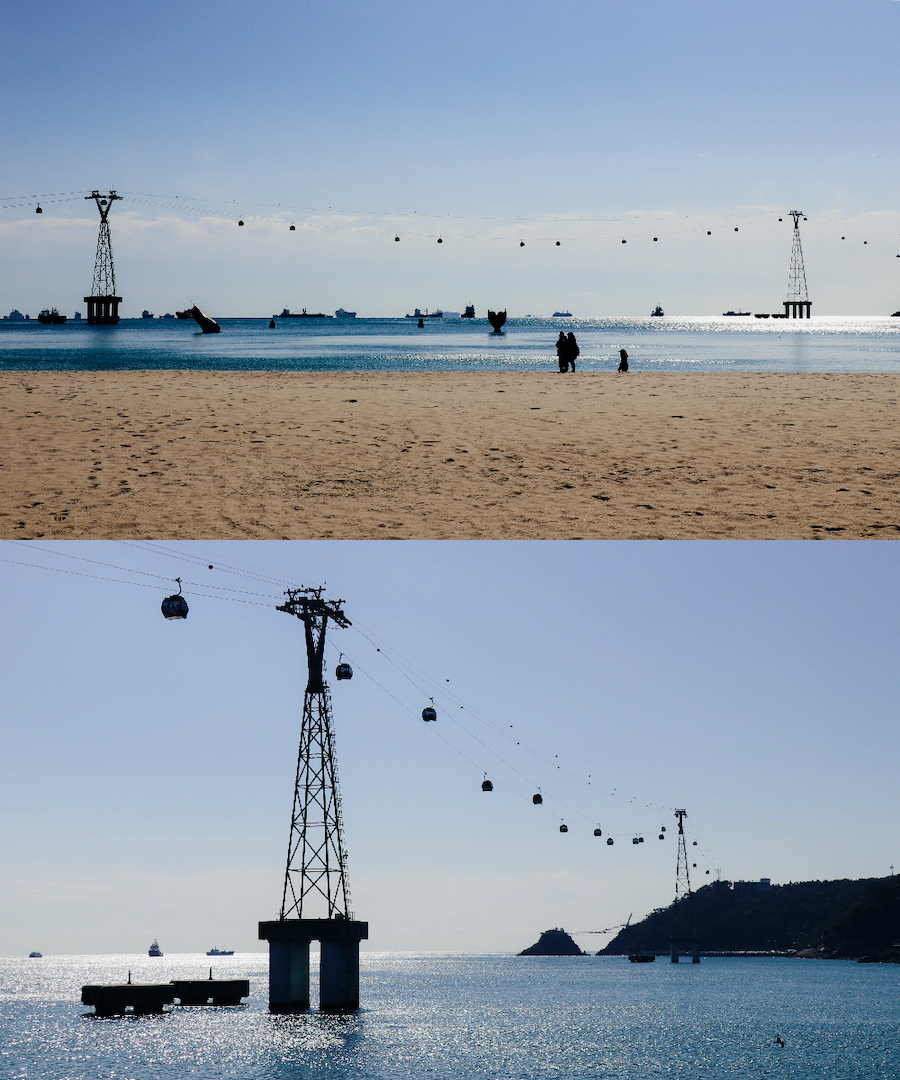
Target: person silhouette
(573, 350)
(623, 360)
(561, 346)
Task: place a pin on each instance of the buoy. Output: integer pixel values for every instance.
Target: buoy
(175, 607)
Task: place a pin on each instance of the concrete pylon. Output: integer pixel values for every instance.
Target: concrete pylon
(289, 941)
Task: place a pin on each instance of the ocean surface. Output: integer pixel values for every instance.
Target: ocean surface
(528, 344)
(441, 1017)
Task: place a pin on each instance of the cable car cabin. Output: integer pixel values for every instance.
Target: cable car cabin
(662, 836)
(564, 828)
(635, 840)
(174, 607)
(486, 785)
(537, 799)
(610, 841)
(598, 832)
(429, 713)
(343, 671)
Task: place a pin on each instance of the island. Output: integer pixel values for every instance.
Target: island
(554, 942)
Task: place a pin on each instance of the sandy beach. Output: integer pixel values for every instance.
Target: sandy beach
(448, 455)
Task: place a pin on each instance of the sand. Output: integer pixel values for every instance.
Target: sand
(448, 455)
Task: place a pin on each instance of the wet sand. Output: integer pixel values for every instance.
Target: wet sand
(448, 455)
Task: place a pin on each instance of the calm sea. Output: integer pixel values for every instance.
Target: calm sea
(437, 1017)
(668, 344)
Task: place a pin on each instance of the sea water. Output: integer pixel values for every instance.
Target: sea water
(661, 344)
(445, 1017)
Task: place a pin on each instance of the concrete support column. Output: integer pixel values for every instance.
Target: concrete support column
(288, 976)
(339, 976)
(695, 953)
(674, 953)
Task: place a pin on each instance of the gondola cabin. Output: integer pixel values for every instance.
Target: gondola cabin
(610, 841)
(343, 671)
(175, 607)
(564, 828)
(598, 831)
(429, 713)
(537, 799)
(486, 785)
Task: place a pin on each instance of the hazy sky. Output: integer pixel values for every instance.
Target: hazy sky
(487, 123)
(147, 767)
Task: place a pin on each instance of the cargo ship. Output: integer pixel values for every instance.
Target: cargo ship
(304, 314)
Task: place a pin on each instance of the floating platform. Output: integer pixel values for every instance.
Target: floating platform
(211, 991)
(128, 997)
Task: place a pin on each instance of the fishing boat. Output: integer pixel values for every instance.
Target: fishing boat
(220, 952)
(469, 313)
(657, 311)
(51, 315)
(154, 949)
(736, 312)
(35, 955)
(304, 314)
(341, 314)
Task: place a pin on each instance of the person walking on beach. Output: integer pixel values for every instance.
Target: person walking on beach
(561, 347)
(623, 360)
(573, 350)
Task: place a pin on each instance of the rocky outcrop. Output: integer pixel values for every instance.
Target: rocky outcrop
(554, 942)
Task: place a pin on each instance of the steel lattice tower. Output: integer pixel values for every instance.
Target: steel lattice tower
(683, 896)
(103, 304)
(316, 874)
(315, 901)
(798, 298)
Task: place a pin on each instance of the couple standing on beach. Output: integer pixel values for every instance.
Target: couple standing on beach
(567, 350)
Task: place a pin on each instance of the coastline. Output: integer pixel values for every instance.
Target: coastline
(448, 455)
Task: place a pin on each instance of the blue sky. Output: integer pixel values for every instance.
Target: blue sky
(147, 767)
(486, 123)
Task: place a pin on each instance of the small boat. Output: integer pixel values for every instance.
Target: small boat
(35, 955)
(426, 314)
(220, 952)
(469, 313)
(736, 313)
(657, 311)
(304, 314)
(145, 314)
(562, 314)
(154, 949)
(341, 314)
(642, 958)
(51, 315)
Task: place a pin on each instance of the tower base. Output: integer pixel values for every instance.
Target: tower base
(289, 941)
(103, 310)
(797, 308)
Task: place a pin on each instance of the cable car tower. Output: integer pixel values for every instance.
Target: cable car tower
(683, 895)
(103, 304)
(315, 900)
(798, 297)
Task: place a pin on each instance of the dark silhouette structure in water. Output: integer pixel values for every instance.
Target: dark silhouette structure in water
(497, 319)
(798, 300)
(103, 304)
(206, 324)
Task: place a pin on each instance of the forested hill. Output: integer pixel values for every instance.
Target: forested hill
(830, 918)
